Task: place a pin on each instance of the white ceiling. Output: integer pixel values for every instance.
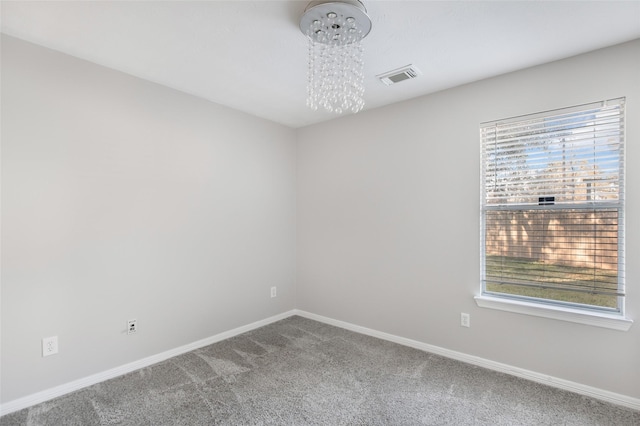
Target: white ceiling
(251, 55)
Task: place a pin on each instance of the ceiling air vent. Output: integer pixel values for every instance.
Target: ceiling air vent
(401, 74)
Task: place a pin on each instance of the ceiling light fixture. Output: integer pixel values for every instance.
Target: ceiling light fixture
(335, 30)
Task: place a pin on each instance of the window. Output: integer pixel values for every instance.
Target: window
(552, 196)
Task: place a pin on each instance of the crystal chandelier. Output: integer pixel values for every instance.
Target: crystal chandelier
(335, 30)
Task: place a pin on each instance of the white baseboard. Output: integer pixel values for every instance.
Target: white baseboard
(601, 394)
(46, 395)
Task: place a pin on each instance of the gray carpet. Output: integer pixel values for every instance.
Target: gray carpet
(302, 372)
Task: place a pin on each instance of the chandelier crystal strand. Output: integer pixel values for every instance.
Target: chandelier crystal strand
(335, 79)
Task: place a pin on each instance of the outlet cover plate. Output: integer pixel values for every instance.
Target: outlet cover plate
(49, 345)
(132, 326)
(465, 320)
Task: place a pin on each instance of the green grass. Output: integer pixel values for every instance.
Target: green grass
(558, 275)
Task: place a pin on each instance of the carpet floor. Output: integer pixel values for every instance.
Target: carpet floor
(302, 372)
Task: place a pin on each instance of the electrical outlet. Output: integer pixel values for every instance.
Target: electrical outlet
(465, 320)
(273, 292)
(49, 345)
(132, 326)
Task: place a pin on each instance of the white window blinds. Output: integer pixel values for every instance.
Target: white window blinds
(553, 206)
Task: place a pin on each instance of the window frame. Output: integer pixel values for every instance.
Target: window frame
(566, 311)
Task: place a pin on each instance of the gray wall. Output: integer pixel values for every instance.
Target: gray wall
(124, 199)
(388, 221)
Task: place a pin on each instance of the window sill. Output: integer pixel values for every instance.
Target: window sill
(598, 319)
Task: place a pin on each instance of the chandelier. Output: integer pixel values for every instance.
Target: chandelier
(335, 30)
